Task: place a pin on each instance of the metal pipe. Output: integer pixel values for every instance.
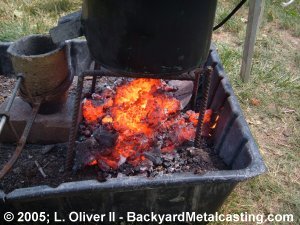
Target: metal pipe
(2, 123)
(96, 67)
(184, 76)
(203, 105)
(21, 142)
(195, 89)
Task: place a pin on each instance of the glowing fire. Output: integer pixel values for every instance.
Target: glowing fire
(143, 114)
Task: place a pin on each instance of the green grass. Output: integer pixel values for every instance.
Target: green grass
(19, 18)
(275, 122)
(286, 18)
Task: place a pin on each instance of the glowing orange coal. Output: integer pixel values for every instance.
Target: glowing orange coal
(143, 113)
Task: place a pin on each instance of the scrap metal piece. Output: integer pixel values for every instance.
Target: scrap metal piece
(68, 27)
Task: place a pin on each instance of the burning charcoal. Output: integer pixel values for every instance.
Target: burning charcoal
(61, 169)
(120, 175)
(87, 95)
(93, 127)
(199, 155)
(168, 88)
(126, 169)
(166, 164)
(81, 138)
(196, 160)
(199, 171)
(47, 148)
(186, 168)
(84, 154)
(168, 157)
(143, 169)
(136, 169)
(191, 151)
(96, 96)
(103, 166)
(146, 166)
(153, 157)
(171, 170)
(82, 127)
(154, 174)
(101, 176)
(31, 170)
(17, 170)
(87, 133)
(104, 137)
(190, 160)
(120, 81)
(107, 93)
(121, 161)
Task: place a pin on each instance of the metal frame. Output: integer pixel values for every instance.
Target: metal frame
(192, 76)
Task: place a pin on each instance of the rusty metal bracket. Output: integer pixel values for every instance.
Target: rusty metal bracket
(74, 126)
(203, 105)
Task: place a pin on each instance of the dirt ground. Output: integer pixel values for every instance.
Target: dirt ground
(6, 87)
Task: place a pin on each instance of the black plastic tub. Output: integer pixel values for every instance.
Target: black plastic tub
(174, 193)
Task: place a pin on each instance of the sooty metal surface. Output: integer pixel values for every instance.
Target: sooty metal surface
(172, 193)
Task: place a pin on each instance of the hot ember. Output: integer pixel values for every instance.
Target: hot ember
(135, 117)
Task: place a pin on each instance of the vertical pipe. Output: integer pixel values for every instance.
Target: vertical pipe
(256, 9)
(74, 127)
(203, 105)
(195, 89)
(96, 67)
(94, 83)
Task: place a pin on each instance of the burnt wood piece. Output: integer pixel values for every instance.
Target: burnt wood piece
(84, 154)
(184, 91)
(154, 157)
(105, 138)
